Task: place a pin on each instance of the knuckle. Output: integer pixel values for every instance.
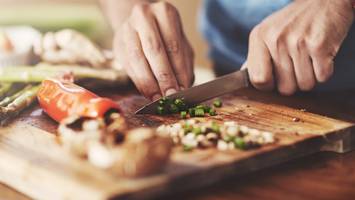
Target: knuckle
(306, 85)
(316, 48)
(165, 7)
(286, 89)
(172, 46)
(148, 88)
(134, 53)
(273, 40)
(140, 8)
(260, 80)
(184, 79)
(256, 32)
(154, 46)
(164, 77)
(297, 42)
(324, 72)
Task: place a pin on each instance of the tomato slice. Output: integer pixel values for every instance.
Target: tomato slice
(61, 99)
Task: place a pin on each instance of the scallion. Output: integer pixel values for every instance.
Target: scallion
(217, 103)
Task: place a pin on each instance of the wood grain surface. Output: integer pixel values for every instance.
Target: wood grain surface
(37, 166)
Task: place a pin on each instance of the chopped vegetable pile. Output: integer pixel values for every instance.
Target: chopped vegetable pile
(174, 106)
(203, 134)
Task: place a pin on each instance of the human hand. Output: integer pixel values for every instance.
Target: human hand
(151, 46)
(294, 48)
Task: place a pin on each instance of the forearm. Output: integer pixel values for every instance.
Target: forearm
(117, 11)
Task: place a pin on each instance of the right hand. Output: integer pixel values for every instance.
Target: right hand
(151, 46)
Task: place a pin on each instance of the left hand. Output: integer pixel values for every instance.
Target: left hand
(294, 48)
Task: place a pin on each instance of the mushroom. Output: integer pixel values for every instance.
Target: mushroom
(70, 47)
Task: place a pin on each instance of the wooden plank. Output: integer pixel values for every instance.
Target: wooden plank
(35, 164)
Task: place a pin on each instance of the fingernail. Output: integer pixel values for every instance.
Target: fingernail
(156, 96)
(170, 91)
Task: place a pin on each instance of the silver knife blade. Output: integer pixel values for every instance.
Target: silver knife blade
(205, 91)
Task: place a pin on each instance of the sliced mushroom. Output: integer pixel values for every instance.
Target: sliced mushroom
(70, 47)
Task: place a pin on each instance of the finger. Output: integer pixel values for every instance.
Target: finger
(172, 34)
(323, 61)
(136, 65)
(302, 63)
(153, 48)
(189, 57)
(259, 63)
(284, 72)
(323, 68)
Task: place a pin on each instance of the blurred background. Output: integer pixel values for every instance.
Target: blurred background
(86, 17)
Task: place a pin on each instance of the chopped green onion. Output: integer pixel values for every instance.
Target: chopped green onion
(183, 114)
(215, 127)
(192, 112)
(207, 109)
(199, 112)
(212, 112)
(187, 128)
(180, 104)
(161, 110)
(197, 130)
(173, 108)
(229, 138)
(239, 143)
(161, 102)
(187, 148)
(217, 103)
(199, 107)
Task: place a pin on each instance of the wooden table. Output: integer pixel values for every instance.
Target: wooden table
(319, 176)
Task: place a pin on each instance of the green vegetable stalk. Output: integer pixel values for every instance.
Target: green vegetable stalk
(4, 89)
(28, 74)
(21, 100)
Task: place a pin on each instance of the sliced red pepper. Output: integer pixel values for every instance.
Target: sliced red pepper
(63, 99)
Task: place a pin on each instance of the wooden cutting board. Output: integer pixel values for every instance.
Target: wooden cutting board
(34, 163)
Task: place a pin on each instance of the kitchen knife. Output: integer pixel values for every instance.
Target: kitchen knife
(205, 91)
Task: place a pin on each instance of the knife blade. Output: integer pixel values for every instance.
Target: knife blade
(197, 94)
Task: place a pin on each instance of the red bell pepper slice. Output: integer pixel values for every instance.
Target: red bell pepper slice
(61, 99)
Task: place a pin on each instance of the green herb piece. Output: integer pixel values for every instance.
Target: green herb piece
(191, 112)
(164, 101)
(239, 143)
(187, 148)
(197, 130)
(217, 103)
(215, 127)
(229, 138)
(161, 102)
(199, 112)
(173, 108)
(187, 128)
(180, 104)
(207, 109)
(161, 110)
(183, 114)
(212, 112)
(199, 107)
